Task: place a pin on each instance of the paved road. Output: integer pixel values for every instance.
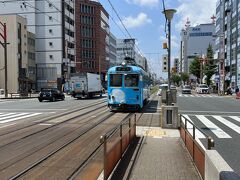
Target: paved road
(219, 117)
(13, 111)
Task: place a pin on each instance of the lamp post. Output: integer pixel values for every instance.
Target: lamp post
(169, 15)
(4, 45)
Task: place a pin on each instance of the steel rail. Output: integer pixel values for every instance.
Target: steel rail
(35, 164)
(51, 126)
(53, 117)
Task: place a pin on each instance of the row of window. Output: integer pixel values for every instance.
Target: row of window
(88, 65)
(69, 32)
(69, 8)
(31, 55)
(69, 20)
(87, 9)
(31, 41)
(201, 34)
(87, 20)
(87, 32)
(88, 54)
(88, 43)
(130, 80)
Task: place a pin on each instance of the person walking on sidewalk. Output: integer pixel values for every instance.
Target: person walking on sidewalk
(237, 90)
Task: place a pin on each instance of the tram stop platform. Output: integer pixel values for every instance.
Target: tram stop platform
(161, 155)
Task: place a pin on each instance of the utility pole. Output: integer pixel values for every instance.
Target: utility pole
(4, 44)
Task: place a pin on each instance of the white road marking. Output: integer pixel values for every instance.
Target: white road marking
(228, 124)
(213, 112)
(235, 118)
(214, 128)
(198, 134)
(17, 118)
(15, 115)
(2, 115)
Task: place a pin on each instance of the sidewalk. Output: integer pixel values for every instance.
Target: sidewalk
(162, 156)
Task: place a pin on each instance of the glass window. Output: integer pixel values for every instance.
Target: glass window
(131, 80)
(116, 80)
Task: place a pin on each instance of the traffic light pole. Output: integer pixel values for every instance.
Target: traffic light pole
(4, 44)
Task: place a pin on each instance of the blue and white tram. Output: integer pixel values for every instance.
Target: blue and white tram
(128, 87)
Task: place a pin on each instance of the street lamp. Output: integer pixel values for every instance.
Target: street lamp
(169, 15)
(4, 45)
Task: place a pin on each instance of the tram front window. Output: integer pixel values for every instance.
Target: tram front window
(131, 80)
(115, 80)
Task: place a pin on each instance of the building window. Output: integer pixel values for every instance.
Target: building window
(51, 56)
(50, 44)
(50, 31)
(50, 5)
(50, 18)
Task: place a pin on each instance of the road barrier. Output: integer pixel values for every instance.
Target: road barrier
(116, 142)
(196, 149)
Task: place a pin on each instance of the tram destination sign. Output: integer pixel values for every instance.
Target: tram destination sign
(123, 69)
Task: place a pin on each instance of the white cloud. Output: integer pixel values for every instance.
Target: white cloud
(140, 20)
(150, 3)
(198, 11)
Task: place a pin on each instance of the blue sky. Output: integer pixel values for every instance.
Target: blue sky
(146, 23)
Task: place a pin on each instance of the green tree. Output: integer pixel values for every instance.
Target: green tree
(195, 67)
(176, 79)
(209, 67)
(184, 77)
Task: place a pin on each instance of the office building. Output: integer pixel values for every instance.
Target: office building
(53, 24)
(227, 42)
(194, 42)
(92, 37)
(21, 67)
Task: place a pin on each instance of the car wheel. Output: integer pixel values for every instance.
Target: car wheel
(53, 99)
(40, 100)
(63, 98)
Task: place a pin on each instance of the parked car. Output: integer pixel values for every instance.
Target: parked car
(50, 94)
(186, 89)
(202, 89)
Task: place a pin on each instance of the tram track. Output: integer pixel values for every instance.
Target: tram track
(6, 136)
(79, 132)
(71, 145)
(38, 121)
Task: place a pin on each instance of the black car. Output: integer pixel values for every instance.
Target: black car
(50, 94)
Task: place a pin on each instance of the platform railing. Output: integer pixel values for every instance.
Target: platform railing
(196, 149)
(116, 142)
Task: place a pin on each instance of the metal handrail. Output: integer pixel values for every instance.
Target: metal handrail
(118, 126)
(104, 138)
(210, 139)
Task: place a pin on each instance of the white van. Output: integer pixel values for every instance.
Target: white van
(161, 87)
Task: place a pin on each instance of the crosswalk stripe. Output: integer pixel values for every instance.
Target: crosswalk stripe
(235, 118)
(214, 128)
(2, 115)
(17, 118)
(198, 133)
(15, 115)
(228, 123)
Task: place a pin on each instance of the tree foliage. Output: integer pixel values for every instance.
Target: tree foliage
(184, 77)
(176, 79)
(195, 67)
(209, 67)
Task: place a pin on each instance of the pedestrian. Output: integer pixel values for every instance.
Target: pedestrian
(237, 90)
(229, 91)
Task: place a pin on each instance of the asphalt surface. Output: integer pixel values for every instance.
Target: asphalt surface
(219, 117)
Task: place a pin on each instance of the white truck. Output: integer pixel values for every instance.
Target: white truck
(86, 85)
